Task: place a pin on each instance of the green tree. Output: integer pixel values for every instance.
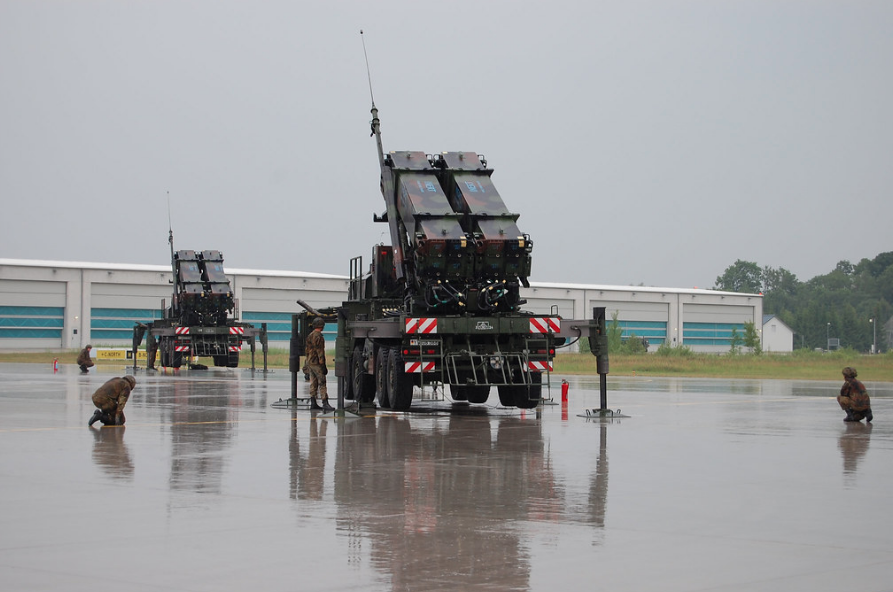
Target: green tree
(615, 334)
(742, 276)
(781, 292)
(736, 341)
(633, 344)
(752, 338)
(846, 297)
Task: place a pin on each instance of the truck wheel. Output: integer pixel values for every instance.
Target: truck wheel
(362, 384)
(233, 360)
(169, 357)
(399, 382)
(529, 397)
(381, 378)
(507, 394)
(477, 393)
(458, 393)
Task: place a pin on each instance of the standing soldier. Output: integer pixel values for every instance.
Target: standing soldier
(854, 398)
(151, 352)
(110, 400)
(84, 360)
(315, 349)
(151, 344)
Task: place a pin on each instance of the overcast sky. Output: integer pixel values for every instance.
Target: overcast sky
(650, 142)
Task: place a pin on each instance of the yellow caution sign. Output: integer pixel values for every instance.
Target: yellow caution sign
(118, 354)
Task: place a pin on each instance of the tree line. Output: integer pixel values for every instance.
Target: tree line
(845, 303)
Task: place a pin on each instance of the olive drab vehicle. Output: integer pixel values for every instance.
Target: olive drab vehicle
(441, 304)
(199, 322)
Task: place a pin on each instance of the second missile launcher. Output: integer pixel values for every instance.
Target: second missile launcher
(199, 321)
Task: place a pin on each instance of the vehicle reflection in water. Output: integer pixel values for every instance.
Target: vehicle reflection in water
(450, 498)
(598, 491)
(202, 423)
(110, 452)
(307, 470)
(853, 444)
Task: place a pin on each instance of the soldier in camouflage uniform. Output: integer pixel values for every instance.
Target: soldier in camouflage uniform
(84, 360)
(151, 352)
(854, 398)
(151, 344)
(315, 350)
(110, 400)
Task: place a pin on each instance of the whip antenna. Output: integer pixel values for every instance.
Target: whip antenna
(376, 124)
(170, 226)
(170, 239)
(368, 73)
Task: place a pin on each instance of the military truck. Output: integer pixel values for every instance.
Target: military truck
(441, 304)
(198, 322)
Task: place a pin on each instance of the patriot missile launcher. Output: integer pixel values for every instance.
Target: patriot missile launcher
(441, 304)
(199, 322)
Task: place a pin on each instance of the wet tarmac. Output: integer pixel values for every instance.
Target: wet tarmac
(725, 485)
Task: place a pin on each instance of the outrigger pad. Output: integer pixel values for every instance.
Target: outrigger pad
(291, 403)
(601, 414)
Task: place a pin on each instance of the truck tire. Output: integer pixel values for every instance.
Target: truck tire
(362, 383)
(477, 394)
(507, 394)
(399, 382)
(528, 397)
(458, 393)
(381, 378)
(169, 357)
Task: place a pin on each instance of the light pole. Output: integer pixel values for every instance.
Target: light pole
(828, 337)
(874, 327)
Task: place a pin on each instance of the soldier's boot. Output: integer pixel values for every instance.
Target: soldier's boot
(97, 415)
(849, 416)
(869, 416)
(326, 406)
(314, 404)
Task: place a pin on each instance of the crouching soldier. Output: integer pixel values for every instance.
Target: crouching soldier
(84, 360)
(854, 398)
(110, 400)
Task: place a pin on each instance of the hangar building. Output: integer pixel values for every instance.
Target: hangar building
(65, 305)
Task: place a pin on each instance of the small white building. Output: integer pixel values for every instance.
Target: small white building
(777, 336)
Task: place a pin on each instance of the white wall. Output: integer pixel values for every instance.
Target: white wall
(777, 337)
(81, 287)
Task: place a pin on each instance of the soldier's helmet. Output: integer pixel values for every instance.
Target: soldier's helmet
(849, 372)
(318, 322)
(131, 381)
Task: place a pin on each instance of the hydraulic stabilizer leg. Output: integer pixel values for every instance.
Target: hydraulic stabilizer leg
(598, 344)
(601, 355)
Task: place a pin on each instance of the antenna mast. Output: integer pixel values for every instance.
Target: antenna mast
(376, 124)
(170, 239)
(170, 228)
